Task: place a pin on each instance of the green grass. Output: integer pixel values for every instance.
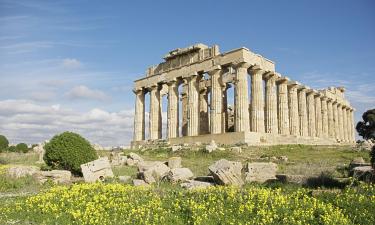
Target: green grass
(29, 158)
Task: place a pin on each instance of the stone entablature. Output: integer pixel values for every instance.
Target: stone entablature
(278, 110)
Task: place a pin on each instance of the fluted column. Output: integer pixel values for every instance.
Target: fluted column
(340, 120)
(348, 125)
(257, 101)
(336, 119)
(241, 98)
(224, 117)
(352, 123)
(318, 115)
(155, 113)
(173, 120)
(325, 123)
(293, 108)
(311, 113)
(139, 115)
(302, 112)
(193, 105)
(283, 110)
(216, 101)
(344, 124)
(184, 106)
(331, 121)
(203, 111)
(271, 103)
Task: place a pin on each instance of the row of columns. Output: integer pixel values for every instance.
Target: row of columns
(286, 107)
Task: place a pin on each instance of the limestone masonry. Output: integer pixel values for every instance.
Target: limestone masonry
(273, 110)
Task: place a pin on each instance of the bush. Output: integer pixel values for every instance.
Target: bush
(22, 147)
(372, 156)
(11, 149)
(68, 151)
(3, 143)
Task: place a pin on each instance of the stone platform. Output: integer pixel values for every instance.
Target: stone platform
(249, 138)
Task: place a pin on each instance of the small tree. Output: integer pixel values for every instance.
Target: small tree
(22, 147)
(366, 129)
(4, 143)
(68, 151)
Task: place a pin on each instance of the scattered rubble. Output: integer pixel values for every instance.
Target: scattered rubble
(226, 172)
(211, 147)
(56, 176)
(236, 149)
(96, 170)
(179, 174)
(260, 172)
(194, 184)
(174, 162)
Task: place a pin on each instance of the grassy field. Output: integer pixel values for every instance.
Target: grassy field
(24, 201)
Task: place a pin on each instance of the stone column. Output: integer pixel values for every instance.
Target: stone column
(283, 110)
(302, 112)
(193, 105)
(139, 115)
(340, 120)
(203, 111)
(271, 103)
(216, 101)
(257, 101)
(293, 108)
(224, 117)
(345, 124)
(336, 119)
(349, 125)
(325, 123)
(173, 120)
(311, 112)
(352, 123)
(331, 121)
(241, 98)
(155, 113)
(184, 106)
(318, 115)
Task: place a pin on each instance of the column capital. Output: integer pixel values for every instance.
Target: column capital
(293, 84)
(302, 87)
(324, 98)
(138, 90)
(270, 75)
(255, 69)
(282, 80)
(213, 69)
(245, 65)
(172, 81)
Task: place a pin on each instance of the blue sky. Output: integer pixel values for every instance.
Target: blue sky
(70, 65)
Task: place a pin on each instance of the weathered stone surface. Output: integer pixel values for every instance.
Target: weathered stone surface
(124, 179)
(226, 172)
(152, 171)
(179, 174)
(96, 170)
(22, 171)
(359, 161)
(365, 173)
(260, 172)
(211, 147)
(174, 162)
(283, 158)
(236, 149)
(138, 182)
(288, 178)
(176, 148)
(194, 184)
(56, 176)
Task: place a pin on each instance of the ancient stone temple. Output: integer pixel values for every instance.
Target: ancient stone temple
(268, 108)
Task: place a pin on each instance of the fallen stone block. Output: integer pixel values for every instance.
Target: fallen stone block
(176, 148)
(193, 184)
(152, 171)
(22, 171)
(211, 147)
(236, 149)
(179, 174)
(174, 162)
(96, 170)
(364, 173)
(56, 176)
(133, 159)
(226, 173)
(260, 172)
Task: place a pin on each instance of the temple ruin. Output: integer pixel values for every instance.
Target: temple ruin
(268, 108)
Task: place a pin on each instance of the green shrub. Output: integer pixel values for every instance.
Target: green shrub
(3, 143)
(68, 151)
(11, 149)
(22, 147)
(372, 155)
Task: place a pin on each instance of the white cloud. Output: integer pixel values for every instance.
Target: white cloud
(71, 63)
(27, 121)
(83, 92)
